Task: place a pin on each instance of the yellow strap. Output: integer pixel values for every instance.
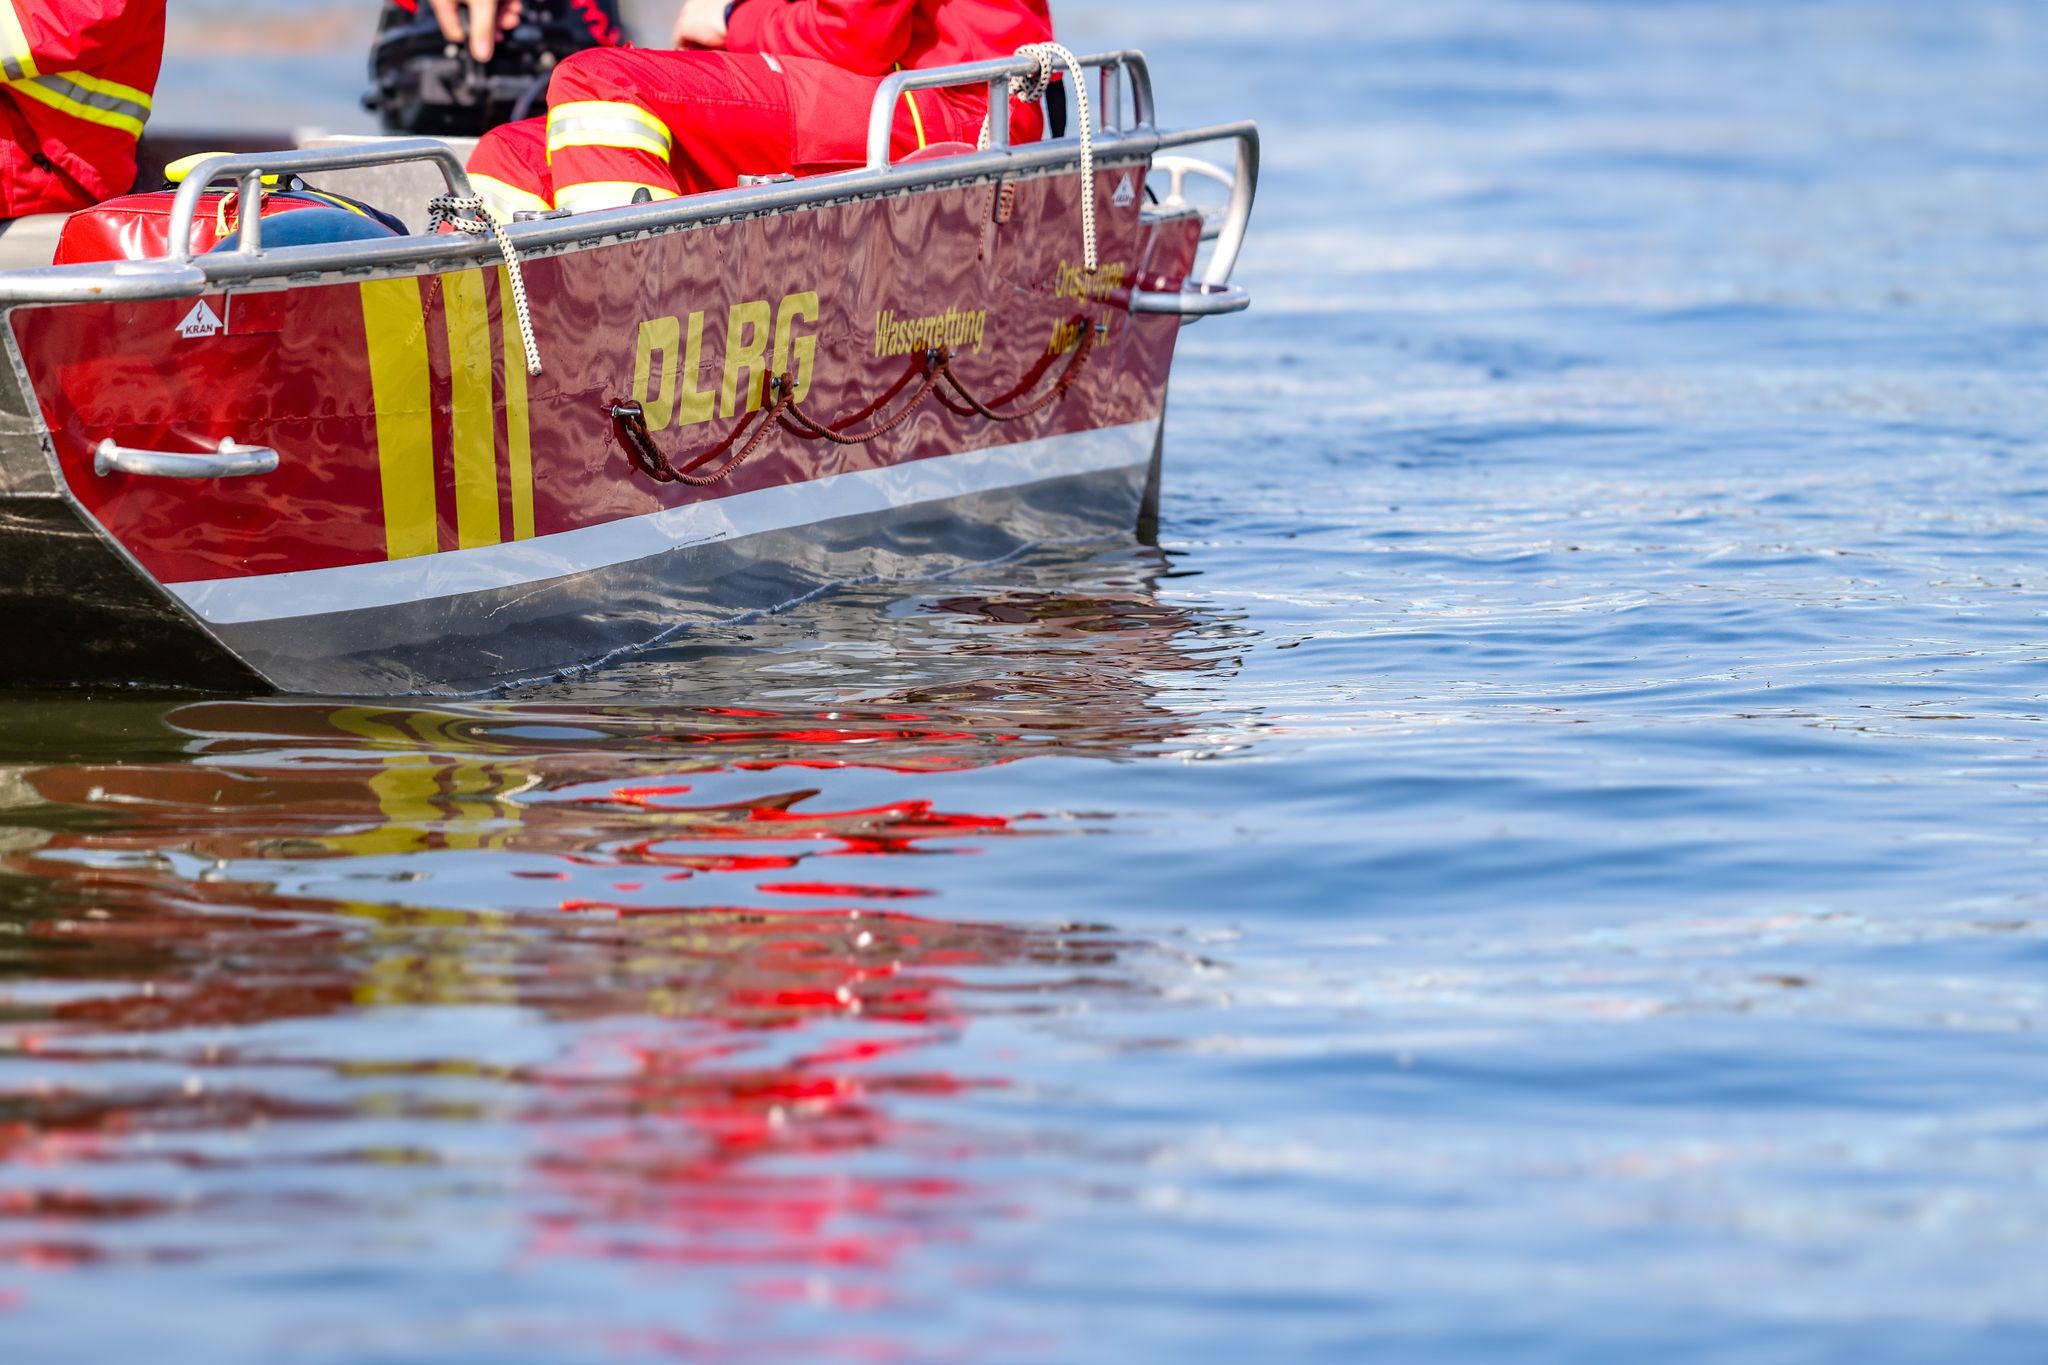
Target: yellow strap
(916, 117)
(334, 201)
(176, 172)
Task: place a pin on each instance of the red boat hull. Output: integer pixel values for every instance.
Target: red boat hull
(442, 520)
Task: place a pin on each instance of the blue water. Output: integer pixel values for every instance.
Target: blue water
(1544, 862)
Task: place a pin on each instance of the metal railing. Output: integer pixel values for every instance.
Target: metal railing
(1115, 69)
(250, 265)
(1244, 187)
(250, 168)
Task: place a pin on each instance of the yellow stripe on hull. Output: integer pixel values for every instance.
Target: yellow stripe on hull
(395, 331)
(518, 432)
(469, 381)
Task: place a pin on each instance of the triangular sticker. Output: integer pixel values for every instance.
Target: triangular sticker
(1125, 195)
(202, 321)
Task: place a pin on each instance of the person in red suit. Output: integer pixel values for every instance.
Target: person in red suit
(78, 76)
(763, 86)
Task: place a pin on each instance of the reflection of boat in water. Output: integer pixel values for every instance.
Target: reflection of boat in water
(745, 982)
(1049, 668)
(348, 467)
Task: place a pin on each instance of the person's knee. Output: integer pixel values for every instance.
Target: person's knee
(606, 123)
(509, 168)
(499, 150)
(592, 74)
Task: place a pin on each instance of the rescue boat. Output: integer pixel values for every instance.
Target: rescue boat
(447, 461)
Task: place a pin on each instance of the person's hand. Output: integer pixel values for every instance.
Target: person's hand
(700, 23)
(487, 19)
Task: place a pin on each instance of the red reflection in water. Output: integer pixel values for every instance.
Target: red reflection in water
(727, 1080)
(841, 891)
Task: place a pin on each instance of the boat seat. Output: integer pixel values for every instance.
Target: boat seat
(29, 241)
(936, 150)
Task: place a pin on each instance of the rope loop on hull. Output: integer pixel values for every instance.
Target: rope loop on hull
(629, 422)
(629, 418)
(1082, 350)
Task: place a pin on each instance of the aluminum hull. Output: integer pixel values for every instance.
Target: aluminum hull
(482, 639)
(438, 519)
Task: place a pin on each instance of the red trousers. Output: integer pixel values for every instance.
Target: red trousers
(621, 120)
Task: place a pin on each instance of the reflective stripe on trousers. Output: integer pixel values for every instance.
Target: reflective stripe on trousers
(505, 200)
(607, 123)
(604, 194)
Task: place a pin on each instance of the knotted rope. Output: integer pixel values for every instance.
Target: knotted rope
(469, 214)
(1032, 88)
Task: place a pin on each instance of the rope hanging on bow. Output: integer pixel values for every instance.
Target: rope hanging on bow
(1032, 88)
(469, 214)
(629, 424)
(629, 419)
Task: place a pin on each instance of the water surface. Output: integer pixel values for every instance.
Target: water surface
(1543, 862)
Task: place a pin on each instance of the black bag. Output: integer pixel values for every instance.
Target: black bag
(422, 83)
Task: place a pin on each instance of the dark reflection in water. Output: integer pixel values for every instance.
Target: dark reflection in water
(578, 980)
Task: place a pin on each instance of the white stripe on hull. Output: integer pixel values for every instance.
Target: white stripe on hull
(451, 573)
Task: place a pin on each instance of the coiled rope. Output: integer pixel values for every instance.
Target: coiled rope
(469, 214)
(1032, 88)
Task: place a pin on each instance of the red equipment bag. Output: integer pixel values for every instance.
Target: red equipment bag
(136, 227)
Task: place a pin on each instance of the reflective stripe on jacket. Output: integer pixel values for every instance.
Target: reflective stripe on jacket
(78, 76)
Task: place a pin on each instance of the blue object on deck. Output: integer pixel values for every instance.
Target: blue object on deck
(306, 227)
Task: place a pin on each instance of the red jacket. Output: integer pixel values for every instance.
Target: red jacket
(77, 76)
(874, 37)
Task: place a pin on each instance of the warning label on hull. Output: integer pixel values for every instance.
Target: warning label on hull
(202, 321)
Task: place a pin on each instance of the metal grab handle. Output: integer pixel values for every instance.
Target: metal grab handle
(251, 167)
(996, 75)
(1194, 301)
(228, 460)
(1244, 187)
